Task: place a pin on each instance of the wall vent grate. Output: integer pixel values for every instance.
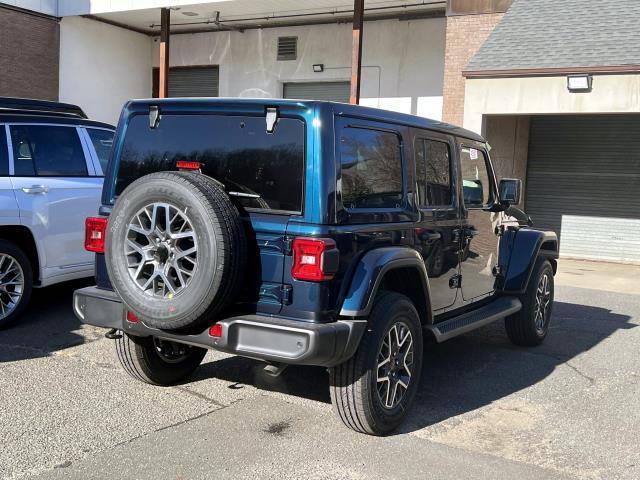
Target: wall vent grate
(287, 48)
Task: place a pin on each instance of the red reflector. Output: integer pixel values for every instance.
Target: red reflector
(216, 330)
(308, 258)
(131, 318)
(95, 228)
(186, 165)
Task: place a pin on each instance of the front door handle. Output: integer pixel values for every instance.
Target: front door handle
(35, 189)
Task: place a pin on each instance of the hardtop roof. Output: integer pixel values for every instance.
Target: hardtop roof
(338, 108)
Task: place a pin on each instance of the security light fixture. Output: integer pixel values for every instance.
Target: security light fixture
(579, 83)
(318, 67)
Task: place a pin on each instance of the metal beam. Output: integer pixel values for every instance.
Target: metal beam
(165, 22)
(356, 51)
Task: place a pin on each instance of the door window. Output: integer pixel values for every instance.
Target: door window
(433, 173)
(475, 177)
(50, 151)
(4, 155)
(371, 169)
(102, 141)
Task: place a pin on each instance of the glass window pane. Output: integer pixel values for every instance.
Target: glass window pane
(45, 150)
(371, 169)
(102, 142)
(236, 150)
(4, 153)
(475, 178)
(433, 171)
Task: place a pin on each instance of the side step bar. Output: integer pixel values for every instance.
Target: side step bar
(500, 308)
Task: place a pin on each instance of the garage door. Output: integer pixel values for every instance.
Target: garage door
(190, 81)
(332, 91)
(583, 182)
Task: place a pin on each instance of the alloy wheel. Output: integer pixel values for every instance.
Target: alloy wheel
(11, 284)
(161, 250)
(395, 362)
(543, 300)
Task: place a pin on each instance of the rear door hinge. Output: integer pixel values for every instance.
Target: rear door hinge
(287, 243)
(286, 290)
(455, 281)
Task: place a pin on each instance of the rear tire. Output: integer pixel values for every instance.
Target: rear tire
(157, 362)
(16, 283)
(362, 398)
(529, 326)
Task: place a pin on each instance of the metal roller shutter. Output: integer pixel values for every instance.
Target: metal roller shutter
(193, 82)
(332, 91)
(583, 182)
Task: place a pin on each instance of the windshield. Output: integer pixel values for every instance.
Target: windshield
(268, 168)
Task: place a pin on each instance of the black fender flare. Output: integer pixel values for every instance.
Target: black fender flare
(370, 271)
(521, 249)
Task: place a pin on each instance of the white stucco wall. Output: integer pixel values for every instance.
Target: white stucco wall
(547, 95)
(101, 67)
(403, 61)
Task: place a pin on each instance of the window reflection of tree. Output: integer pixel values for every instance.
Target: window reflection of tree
(432, 167)
(370, 166)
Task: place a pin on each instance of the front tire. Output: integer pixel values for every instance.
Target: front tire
(529, 326)
(155, 361)
(16, 283)
(373, 390)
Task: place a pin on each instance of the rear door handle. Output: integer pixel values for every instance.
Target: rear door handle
(35, 189)
(431, 236)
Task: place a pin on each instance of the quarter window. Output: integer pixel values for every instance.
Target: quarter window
(102, 142)
(433, 172)
(371, 169)
(475, 177)
(49, 151)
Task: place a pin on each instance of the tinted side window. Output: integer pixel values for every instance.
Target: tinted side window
(4, 153)
(371, 169)
(47, 151)
(102, 142)
(433, 173)
(475, 178)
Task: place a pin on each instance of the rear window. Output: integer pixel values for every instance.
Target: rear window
(268, 168)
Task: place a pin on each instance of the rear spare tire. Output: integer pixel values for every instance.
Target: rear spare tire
(175, 249)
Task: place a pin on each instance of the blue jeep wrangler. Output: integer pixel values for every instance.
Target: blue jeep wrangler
(303, 232)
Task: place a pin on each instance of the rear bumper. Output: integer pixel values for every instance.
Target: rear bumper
(255, 336)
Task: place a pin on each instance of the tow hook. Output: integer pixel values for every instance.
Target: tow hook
(275, 369)
(113, 334)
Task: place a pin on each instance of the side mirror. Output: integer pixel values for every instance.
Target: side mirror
(510, 189)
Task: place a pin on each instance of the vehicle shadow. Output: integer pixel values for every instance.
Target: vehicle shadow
(458, 376)
(46, 326)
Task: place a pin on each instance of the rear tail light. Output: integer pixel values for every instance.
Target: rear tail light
(314, 259)
(132, 318)
(95, 228)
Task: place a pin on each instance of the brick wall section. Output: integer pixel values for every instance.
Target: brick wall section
(465, 35)
(29, 55)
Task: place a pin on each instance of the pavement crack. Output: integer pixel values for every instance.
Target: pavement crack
(591, 380)
(199, 395)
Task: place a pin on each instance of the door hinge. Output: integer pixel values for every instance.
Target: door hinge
(286, 290)
(455, 281)
(287, 245)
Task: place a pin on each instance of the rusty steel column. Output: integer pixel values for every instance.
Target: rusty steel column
(163, 81)
(356, 51)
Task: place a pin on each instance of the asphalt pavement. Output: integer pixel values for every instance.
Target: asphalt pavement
(485, 409)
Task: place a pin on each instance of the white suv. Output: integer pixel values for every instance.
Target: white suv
(52, 162)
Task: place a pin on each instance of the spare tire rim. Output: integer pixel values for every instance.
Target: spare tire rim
(161, 250)
(11, 284)
(395, 365)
